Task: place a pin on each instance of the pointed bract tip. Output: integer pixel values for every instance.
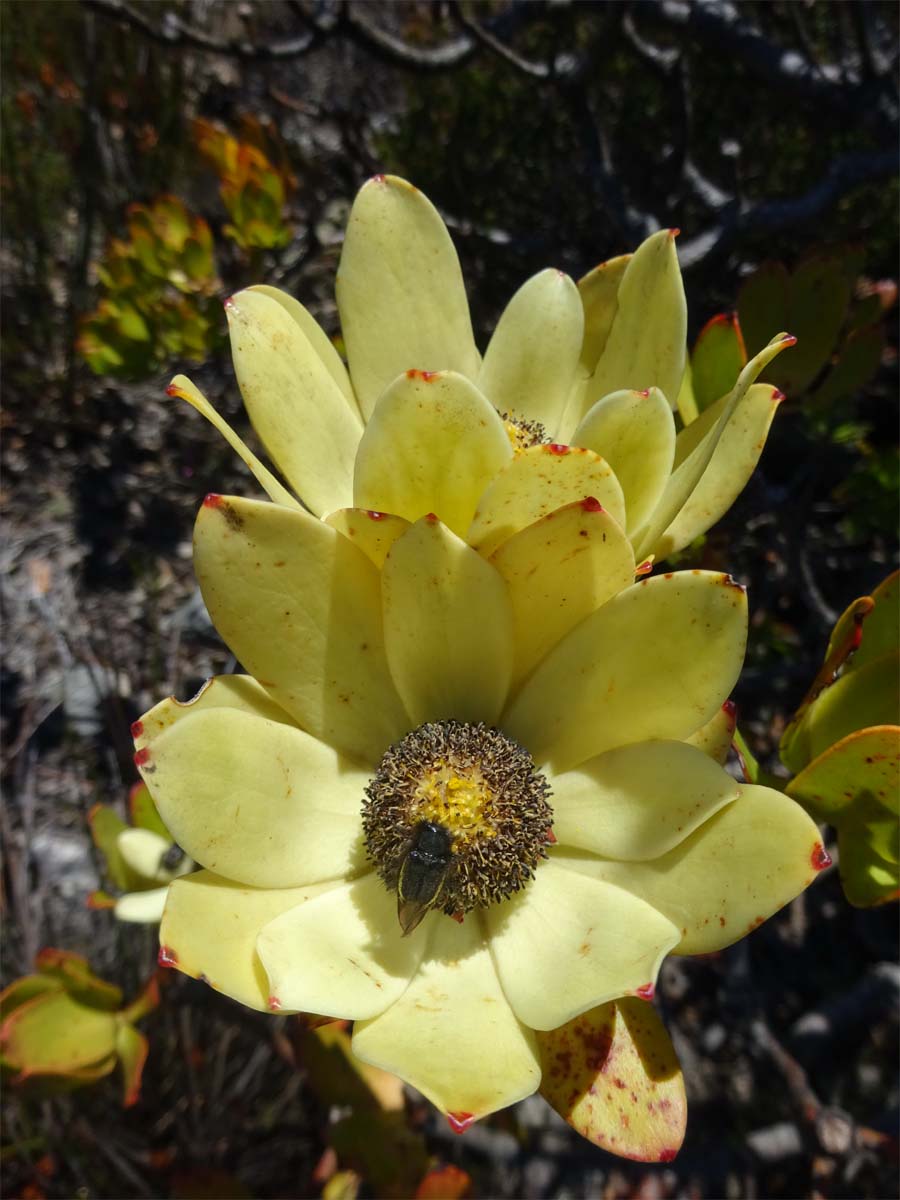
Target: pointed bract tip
(789, 340)
(273, 1004)
(173, 390)
(667, 1155)
(425, 376)
(778, 395)
(674, 231)
(377, 178)
(212, 500)
(644, 568)
(167, 957)
(730, 581)
(558, 448)
(646, 992)
(820, 858)
(591, 504)
(431, 518)
(645, 392)
(137, 728)
(459, 1122)
(729, 708)
(229, 305)
(141, 757)
(374, 515)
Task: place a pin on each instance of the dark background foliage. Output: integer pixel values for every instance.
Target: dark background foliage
(547, 134)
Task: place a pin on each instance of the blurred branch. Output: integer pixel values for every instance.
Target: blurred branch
(769, 216)
(172, 31)
(486, 38)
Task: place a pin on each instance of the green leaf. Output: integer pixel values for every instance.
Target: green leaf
(865, 763)
(881, 631)
(78, 979)
(859, 359)
(763, 305)
(599, 292)
(719, 357)
(613, 1074)
(867, 878)
(52, 1034)
(143, 811)
(20, 991)
(132, 1048)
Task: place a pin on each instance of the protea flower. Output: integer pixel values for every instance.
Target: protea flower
(591, 372)
(455, 801)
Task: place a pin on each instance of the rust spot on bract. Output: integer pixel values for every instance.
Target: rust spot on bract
(551, 837)
(141, 757)
(558, 448)
(425, 376)
(167, 957)
(820, 858)
(730, 581)
(646, 992)
(458, 917)
(273, 1004)
(374, 515)
(591, 504)
(460, 1121)
(137, 729)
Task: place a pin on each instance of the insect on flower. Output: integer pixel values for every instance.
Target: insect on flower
(423, 873)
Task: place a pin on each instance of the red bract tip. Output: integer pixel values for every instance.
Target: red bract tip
(167, 957)
(591, 504)
(789, 340)
(674, 232)
(643, 568)
(141, 756)
(778, 395)
(212, 500)
(460, 1121)
(172, 390)
(557, 448)
(137, 729)
(645, 392)
(667, 1155)
(647, 992)
(374, 515)
(377, 179)
(228, 303)
(550, 836)
(425, 376)
(820, 858)
(273, 1004)
(729, 708)
(431, 518)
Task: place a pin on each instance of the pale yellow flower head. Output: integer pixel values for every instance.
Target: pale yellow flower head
(593, 368)
(534, 704)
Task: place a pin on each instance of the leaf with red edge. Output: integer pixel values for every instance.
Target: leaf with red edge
(20, 991)
(78, 979)
(719, 357)
(445, 1183)
(132, 1048)
(52, 1034)
(145, 1002)
(612, 1073)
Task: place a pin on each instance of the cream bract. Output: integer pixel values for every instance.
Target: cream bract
(652, 847)
(596, 366)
